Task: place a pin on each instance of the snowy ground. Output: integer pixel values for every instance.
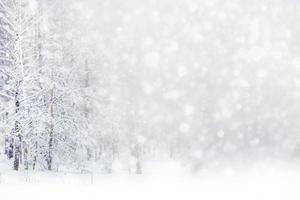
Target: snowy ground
(166, 182)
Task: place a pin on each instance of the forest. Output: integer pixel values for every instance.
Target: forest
(112, 85)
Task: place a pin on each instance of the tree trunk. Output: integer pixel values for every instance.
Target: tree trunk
(50, 151)
(17, 134)
(39, 58)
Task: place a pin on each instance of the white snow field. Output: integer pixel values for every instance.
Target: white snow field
(261, 183)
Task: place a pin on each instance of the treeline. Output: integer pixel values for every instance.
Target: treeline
(58, 90)
(42, 91)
